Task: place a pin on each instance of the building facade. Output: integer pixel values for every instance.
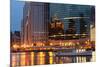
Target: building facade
(35, 24)
(46, 21)
(66, 11)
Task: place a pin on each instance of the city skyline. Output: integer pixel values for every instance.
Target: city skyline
(16, 23)
(53, 33)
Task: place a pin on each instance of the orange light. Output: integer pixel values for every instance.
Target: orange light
(15, 46)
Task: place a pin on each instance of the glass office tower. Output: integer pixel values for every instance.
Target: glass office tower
(66, 11)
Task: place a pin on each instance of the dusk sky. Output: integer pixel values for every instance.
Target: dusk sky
(16, 14)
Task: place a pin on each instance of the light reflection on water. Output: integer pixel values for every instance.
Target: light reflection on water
(33, 58)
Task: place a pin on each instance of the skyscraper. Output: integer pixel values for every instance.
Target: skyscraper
(35, 25)
(65, 11)
(37, 15)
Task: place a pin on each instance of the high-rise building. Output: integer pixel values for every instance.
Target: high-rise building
(37, 15)
(26, 31)
(35, 24)
(65, 11)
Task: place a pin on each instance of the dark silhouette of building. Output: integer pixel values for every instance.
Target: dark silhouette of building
(15, 38)
(71, 31)
(71, 27)
(83, 25)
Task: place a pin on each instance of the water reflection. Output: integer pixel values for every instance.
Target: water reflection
(39, 58)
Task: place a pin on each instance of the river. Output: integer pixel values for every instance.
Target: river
(40, 58)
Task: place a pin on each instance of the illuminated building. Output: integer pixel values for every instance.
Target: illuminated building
(80, 25)
(92, 33)
(56, 28)
(37, 28)
(26, 31)
(35, 23)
